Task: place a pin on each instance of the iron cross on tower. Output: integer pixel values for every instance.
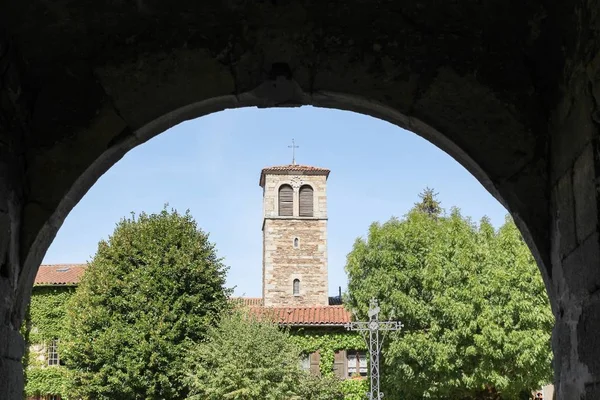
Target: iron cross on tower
(293, 147)
(374, 326)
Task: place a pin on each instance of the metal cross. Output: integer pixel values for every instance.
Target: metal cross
(293, 147)
(374, 326)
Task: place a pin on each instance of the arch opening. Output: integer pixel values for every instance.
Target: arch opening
(330, 100)
(298, 283)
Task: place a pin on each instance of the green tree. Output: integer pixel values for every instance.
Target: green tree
(429, 203)
(328, 387)
(477, 318)
(154, 286)
(247, 358)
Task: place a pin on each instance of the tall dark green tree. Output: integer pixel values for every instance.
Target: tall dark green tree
(476, 314)
(429, 203)
(153, 287)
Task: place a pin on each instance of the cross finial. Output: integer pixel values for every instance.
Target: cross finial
(293, 147)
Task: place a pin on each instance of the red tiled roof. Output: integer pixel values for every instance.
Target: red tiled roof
(59, 274)
(308, 315)
(290, 169)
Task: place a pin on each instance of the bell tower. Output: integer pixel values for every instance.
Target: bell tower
(294, 235)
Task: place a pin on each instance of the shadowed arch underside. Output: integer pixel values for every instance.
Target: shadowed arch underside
(509, 89)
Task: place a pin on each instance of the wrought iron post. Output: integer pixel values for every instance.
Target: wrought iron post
(374, 326)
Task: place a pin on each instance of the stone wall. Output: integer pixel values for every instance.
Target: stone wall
(517, 107)
(575, 244)
(283, 262)
(274, 181)
(14, 122)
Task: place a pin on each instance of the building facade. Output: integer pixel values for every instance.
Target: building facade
(294, 231)
(294, 281)
(295, 268)
(44, 329)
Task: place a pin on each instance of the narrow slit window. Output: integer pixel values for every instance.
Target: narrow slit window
(296, 242)
(296, 287)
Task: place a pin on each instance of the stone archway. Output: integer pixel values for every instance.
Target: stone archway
(509, 90)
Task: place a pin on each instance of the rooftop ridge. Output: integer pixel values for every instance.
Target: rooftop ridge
(291, 168)
(64, 265)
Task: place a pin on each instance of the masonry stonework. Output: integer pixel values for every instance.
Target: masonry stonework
(294, 247)
(518, 108)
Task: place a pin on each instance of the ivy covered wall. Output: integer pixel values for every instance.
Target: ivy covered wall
(45, 322)
(327, 342)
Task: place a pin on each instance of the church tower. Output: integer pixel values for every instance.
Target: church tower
(294, 236)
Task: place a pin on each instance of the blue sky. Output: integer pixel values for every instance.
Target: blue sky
(211, 166)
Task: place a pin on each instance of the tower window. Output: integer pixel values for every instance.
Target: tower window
(306, 201)
(296, 243)
(296, 287)
(286, 201)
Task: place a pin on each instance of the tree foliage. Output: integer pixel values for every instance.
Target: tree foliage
(328, 387)
(247, 358)
(155, 285)
(243, 358)
(429, 203)
(477, 318)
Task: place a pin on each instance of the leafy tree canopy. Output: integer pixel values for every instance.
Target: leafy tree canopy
(477, 318)
(155, 285)
(246, 358)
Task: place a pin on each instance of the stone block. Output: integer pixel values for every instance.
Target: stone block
(12, 345)
(584, 189)
(11, 379)
(7, 295)
(561, 343)
(588, 338)
(4, 235)
(562, 211)
(592, 391)
(582, 267)
(573, 133)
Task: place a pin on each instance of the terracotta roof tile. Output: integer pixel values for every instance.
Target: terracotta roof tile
(59, 274)
(290, 169)
(303, 316)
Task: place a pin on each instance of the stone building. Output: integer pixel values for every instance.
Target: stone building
(294, 235)
(295, 280)
(54, 285)
(294, 268)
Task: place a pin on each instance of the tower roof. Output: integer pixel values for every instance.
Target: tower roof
(292, 169)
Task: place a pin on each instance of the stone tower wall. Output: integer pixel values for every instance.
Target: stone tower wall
(274, 182)
(282, 261)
